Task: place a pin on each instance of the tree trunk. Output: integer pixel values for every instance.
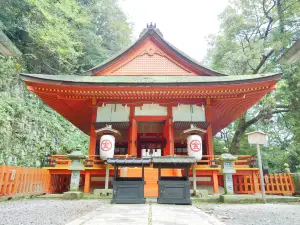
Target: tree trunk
(238, 134)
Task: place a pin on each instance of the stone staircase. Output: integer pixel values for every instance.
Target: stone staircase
(151, 177)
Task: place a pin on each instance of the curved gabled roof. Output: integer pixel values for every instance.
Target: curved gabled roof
(148, 80)
(153, 34)
(71, 96)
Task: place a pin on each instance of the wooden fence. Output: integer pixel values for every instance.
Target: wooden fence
(59, 183)
(20, 181)
(278, 184)
(296, 180)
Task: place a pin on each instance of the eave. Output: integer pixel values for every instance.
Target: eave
(74, 97)
(75, 80)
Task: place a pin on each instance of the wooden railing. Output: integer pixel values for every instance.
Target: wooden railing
(90, 161)
(20, 181)
(207, 160)
(242, 160)
(274, 184)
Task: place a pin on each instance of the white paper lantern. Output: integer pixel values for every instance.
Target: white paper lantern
(107, 146)
(194, 146)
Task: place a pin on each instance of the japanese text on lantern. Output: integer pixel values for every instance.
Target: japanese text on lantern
(195, 145)
(106, 145)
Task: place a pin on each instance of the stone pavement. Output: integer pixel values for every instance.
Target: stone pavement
(146, 214)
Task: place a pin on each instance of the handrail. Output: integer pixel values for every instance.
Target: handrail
(208, 160)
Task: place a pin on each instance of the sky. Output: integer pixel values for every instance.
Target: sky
(184, 23)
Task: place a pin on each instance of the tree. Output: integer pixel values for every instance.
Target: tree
(253, 35)
(55, 37)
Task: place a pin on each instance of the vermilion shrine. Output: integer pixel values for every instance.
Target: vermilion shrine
(151, 93)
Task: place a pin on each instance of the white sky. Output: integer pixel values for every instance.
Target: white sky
(184, 23)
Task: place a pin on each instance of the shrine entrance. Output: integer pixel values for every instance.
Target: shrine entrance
(150, 139)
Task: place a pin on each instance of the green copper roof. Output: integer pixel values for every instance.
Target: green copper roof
(136, 80)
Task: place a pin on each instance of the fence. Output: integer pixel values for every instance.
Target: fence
(274, 184)
(20, 181)
(296, 180)
(59, 183)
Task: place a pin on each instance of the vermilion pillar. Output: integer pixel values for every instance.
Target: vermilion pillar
(93, 135)
(170, 130)
(209, 144)
(132, 137)
(87, 182)
(209, 137)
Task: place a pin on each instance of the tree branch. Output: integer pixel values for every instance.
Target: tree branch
(266, 12)
(243, 48)
(280, 111)
(284, 106)
(262, 62)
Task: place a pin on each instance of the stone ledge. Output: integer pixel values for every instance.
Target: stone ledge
(199, 193)
(103, 192)
(257, 199)
(72, 195)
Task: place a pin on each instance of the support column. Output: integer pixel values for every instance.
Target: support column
(169, 133)
(87, 182)
(209, 137)
(93, 135)
(170, 130)
(215, 182)
(106, 176)
(132, 137)
(194, 178)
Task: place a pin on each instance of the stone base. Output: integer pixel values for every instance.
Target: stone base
(208, 199)
(72, 195)
(103, 192)
(257, 198)
(199, 193)
(240, 199)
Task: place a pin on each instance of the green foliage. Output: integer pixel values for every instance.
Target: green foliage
(67, 36)
(55, 37)
(253, 35)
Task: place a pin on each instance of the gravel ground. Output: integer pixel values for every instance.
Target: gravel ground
(56, 212)
(250, 214)
(45, 211)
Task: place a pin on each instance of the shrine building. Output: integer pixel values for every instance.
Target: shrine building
(150, 93)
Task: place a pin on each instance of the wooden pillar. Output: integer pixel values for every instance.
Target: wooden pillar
(215, 182)
(87, 182)
(209, 137)
(169, 133)
(170, 130)
(132, 137)
(93, 135)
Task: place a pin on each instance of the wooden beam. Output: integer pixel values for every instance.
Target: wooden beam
(150, 118)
